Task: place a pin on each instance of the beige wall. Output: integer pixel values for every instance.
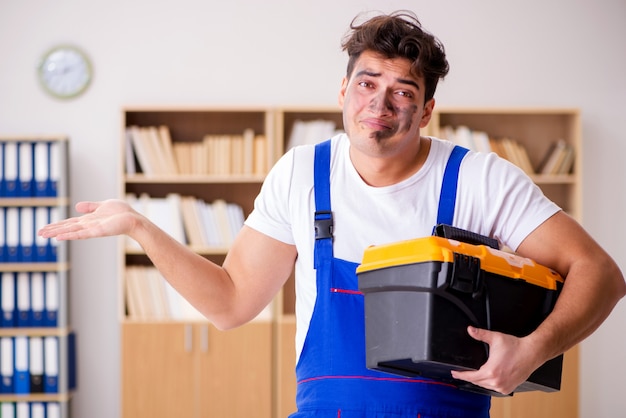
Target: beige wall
(530, 53)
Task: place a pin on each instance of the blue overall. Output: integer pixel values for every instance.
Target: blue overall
(333, 381)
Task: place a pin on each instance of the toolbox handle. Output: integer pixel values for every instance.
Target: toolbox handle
(451, 232)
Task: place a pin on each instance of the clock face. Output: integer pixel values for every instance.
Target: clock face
(65, 72)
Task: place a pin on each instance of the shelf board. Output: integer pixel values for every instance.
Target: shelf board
(34, 332)
(199, 250)
(33, 267)
(191, 179)
(33, 201)
(36, 397)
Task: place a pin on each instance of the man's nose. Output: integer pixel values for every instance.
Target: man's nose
(381, 102)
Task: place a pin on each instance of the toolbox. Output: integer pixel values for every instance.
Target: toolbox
(421, 295)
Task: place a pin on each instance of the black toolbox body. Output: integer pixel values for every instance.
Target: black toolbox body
(421, 295)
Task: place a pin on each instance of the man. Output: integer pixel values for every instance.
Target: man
(380, 182)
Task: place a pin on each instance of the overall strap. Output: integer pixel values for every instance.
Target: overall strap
(447, 198)
(323, 214)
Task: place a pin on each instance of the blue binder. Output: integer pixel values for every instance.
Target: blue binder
(2, 164)
(41, 153)
(22, 374)
(51, 365)
(23, 299)
(27, 235)
(12, 230)
(25, 169)
(51, 309)
(10, 169)
(3, 235)
(7, 371)
(37, 299)
(7, 302)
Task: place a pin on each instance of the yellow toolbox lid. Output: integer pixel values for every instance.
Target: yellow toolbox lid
(440, 249)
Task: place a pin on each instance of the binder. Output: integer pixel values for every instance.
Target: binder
(22, 410)
(2, 234)
(10, 169)
(53, 410)
(55, 169)
(51, 365)
(22, 374)
(23, 299)
(41, 154)
(71, 361)
(37, 299)
(36, 364)
(7, 294)
(7, 410)
(2, 169)
(53, 245)
(27, 235)
(37, 410)
(6, 365)
(51, 309)
(42, 246)
(12, 227)
(25, 169)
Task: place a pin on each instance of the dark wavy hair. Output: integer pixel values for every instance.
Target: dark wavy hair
(399, 35)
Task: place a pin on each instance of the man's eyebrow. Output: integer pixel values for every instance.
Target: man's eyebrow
(400, 80)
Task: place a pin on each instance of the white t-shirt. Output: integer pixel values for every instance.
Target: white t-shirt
(494, 198)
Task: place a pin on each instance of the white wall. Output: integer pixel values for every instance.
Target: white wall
(280, 52)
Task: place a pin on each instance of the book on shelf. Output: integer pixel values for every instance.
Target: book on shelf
(559, 159)
(150, 150)
(311, 132)
(481, 141)
(190, 220)
(150, 297)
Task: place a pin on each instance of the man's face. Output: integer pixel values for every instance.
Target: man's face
(383, 104)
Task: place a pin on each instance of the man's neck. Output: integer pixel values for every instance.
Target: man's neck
(389, 170)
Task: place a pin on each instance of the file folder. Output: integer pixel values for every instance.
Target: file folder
(22, 374)
(37, 410)
(7, 295)
(2, 234)
(22, 410)
(27, 235)
(2, 163)
(53, 410)
(51, 365)
(36, 364)
(23, 299)
(55, 169)
(42, 169)
(53, 245)
(12, 227)
(7, 409)
(71, 361)
(51, 288)
(42, 245)
(10, 169)
(37, 299)
(25, 169)
(6, 365)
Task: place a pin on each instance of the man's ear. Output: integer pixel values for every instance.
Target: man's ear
(342, 91)
(428, 112)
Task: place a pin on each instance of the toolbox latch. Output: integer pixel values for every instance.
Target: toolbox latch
(467, 276)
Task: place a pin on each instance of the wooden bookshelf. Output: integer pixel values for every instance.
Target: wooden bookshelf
(272, 362)
(533, 128)
(211, 373)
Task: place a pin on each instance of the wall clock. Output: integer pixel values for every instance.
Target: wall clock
(65, 71)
